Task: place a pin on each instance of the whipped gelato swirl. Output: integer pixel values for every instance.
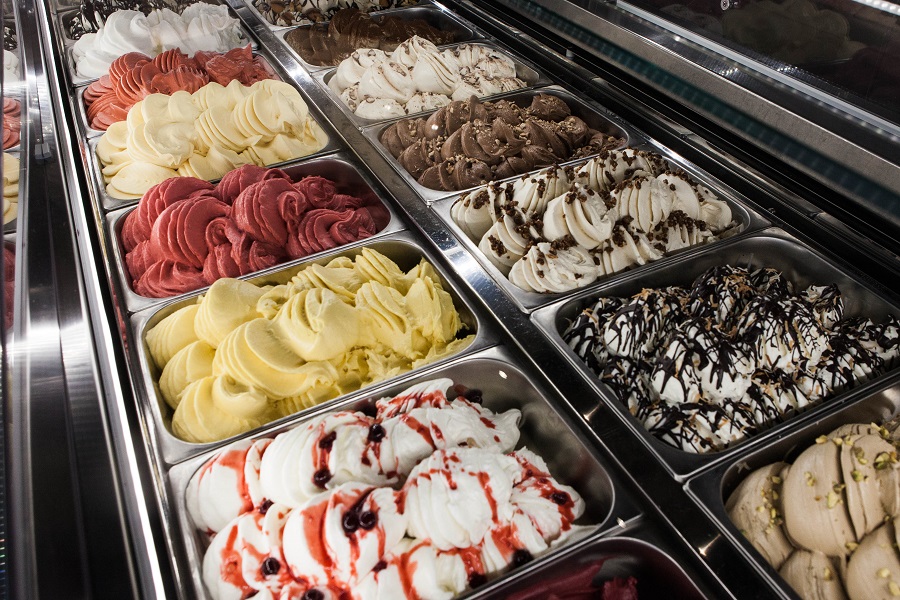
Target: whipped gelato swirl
(736, 352)
(350, 506)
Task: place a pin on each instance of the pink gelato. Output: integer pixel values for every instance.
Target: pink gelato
(186, 233)
(134, 76)
(12, 123)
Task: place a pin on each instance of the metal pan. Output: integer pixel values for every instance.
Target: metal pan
(590, 112)
(745, 217)
(525, 71)
(108, 203)
(345, 170)
(712, 489)
(76, 80)
(658, 573)
(434, 16)
(773, 247)
(608, 506)
(399, 247)
(81, 109)
(263, 19)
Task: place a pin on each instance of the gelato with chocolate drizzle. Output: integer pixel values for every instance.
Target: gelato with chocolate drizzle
(736, 352)
(564, 228)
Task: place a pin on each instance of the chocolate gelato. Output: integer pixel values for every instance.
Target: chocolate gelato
(468, 143)
(301, 12)
(327, 44)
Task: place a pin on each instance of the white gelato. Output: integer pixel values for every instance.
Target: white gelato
(201, 26)
(417, 76)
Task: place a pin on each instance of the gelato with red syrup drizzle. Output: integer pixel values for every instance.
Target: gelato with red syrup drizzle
(186, 233)
(134, 76)
(380, 524)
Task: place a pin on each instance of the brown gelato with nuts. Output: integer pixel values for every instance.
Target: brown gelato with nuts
(469, 143)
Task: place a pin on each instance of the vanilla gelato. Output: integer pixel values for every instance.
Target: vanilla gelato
(200, 27)
(245, 355)
(829, 522)
(206, 134)
(417, 76)
(11, 73)
(345, 506)
(563, 229)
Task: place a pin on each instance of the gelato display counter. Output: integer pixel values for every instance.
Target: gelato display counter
(478, 299)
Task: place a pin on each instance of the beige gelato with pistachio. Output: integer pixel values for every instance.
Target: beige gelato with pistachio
(206, 134)
(830, 521)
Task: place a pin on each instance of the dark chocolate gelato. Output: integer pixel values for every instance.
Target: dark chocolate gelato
(327, 44)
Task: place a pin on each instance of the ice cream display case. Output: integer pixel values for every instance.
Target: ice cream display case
(454, 299)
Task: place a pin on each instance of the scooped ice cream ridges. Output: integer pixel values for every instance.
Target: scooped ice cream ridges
(563, 228)
(425, 499)
(134, 76)
(469, 143)
(416, 77)
(830, 521)
(201, 26)
(206, 134)
(186, 233)
(244, 354)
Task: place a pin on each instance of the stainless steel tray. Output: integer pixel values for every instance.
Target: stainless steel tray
(747, 220)
(711, 489)
(108, 203)
(505, 386)
(343, 169)
(525, 71)
(66, 45)
(590, 112)
(433, 15)
(658, 573)
(81, 110)
(773, 247)
(400, 247)
(273, 27)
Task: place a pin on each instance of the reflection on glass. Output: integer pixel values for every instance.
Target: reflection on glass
(850, 49)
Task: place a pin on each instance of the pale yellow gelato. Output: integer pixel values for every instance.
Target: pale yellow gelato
(246, 355)
(206, 134)
(10, 187)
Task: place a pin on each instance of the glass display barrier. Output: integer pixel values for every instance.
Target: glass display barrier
(848, 50)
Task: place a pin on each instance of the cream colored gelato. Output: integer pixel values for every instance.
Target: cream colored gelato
(247, 355)
(206, 134)
(828, 522)
(417, 76)
(10, 187)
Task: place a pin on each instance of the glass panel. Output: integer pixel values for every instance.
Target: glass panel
(848, 49)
